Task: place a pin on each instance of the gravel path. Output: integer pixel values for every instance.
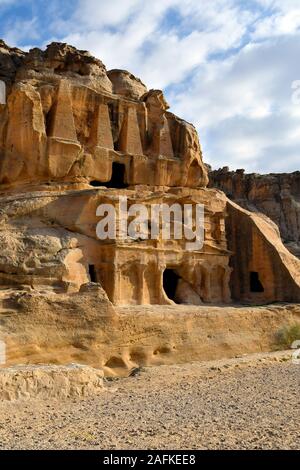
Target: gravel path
(218, 405)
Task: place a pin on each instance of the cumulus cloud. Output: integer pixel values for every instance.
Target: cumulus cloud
(143, 38)
(19, 29)
(243, 107)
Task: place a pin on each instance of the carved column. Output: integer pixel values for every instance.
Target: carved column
(198, 279)
(207, 285)
(226, 288)
(116, 275)
(159, 284)
(141, 282)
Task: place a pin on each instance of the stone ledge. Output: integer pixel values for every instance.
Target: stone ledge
(49, 381)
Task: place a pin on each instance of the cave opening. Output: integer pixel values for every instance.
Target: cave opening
(96, 183)
(92, 273)
(117, 177)
(255, 283)
(117, 180)
(170, 281)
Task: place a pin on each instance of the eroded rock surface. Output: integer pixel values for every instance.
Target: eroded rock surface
(42, 327)
(275, 195)
(49, 381)
(74, 136)
(67, 118)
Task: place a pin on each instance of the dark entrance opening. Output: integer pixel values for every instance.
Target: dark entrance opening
(96, 183)
(255, 283)
(92, 273)
(170, 281)
(117, 177)
(117, 180)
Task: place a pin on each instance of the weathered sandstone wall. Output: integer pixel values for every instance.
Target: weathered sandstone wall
(74, 136)
(263, 270)
(67, 119)
(85, 328)
(70, 126)
(275, 195)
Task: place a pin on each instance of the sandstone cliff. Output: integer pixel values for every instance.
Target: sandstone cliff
(67, 119)
(74, 136)
(275, 195)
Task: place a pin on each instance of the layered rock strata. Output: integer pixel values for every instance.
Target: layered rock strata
(275, 195)
(74, 137)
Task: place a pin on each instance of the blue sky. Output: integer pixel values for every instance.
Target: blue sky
(225, 65)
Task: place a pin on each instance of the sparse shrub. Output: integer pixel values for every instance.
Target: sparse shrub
(287, 335)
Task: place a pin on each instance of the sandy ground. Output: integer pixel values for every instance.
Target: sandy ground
(244, 403)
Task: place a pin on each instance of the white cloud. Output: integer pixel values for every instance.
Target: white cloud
(243, 107)
(99, 13)
(134, 38)
(278, 24)
(18, 30)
